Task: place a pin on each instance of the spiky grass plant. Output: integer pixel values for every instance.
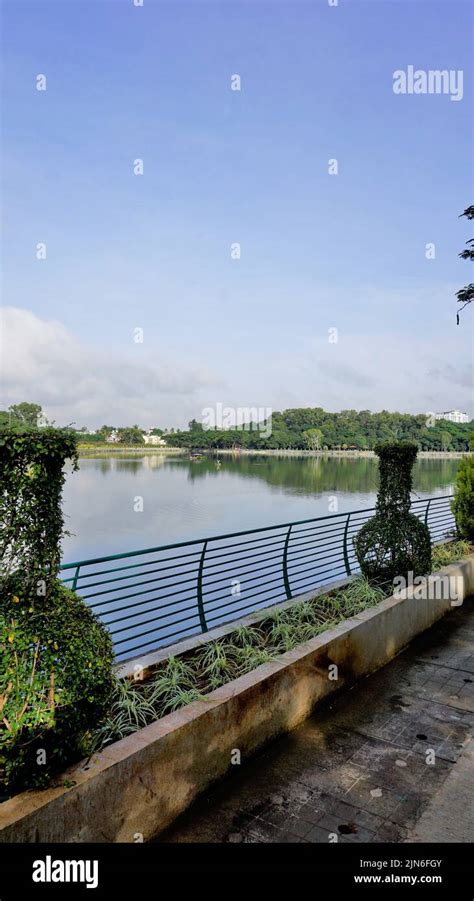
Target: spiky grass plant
(215, 664)
(249, 658)
(444, 554)
(129, 712)
(247, 636)
(182, 680)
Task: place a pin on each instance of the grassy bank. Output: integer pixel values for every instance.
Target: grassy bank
(112, 450)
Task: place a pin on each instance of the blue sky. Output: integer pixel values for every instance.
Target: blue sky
(318, 251)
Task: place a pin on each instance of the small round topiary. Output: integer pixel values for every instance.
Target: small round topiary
(390, 546)
(394, 542)
(55, 685)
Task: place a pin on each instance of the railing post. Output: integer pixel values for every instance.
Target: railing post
(285, 564)
(346, 554)
(76, 576)
(426, 512)
(200, 600)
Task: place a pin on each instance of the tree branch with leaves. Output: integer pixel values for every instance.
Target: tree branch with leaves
(466, 295)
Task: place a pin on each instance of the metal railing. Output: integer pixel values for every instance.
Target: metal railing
(154, 597)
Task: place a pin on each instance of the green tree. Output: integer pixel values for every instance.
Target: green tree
(445, 439)
(25, 414)
(131, 435)
(313, 438)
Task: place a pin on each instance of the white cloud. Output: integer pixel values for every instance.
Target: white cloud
(44, 363)
(408, 373)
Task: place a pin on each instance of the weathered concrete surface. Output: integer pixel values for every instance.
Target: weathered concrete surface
(141, 784)
(358, 769)
(449, 816)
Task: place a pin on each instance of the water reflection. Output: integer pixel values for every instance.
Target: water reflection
(184, 499)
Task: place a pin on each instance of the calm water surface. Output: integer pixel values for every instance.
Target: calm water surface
(184, 500)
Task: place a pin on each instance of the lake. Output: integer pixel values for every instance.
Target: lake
(184, 499)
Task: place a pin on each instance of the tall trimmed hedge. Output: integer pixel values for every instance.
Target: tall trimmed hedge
(55, 656)
(31, 521)
(394, 542)
(463, 502)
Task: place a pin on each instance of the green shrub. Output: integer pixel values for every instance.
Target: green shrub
(463, 503)
(55, 686)
(394, 542)
(451, 552)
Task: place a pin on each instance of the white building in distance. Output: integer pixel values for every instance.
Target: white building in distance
(155, 440)
(453, 416)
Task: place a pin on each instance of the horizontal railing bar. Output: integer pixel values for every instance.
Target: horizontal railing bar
(97, 594)
(208, 600)
(155, 619)
(275, 599)
(118, 569)
(315, 530)
(234, 548)
(161, 578)
(166, 637)
(146, 572)
(136, 595)
(333, 543)
(173, 623)
(315, 537)
(318, 565)
(231, 603)
(314, 582)
(167, 547)
(150, 601)
(299, 563)
(227, 577)
(247, 556)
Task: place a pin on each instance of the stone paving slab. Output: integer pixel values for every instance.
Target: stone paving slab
(372, 766)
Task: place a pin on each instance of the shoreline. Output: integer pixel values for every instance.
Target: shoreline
(101, 450)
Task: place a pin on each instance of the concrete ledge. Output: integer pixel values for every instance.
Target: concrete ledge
(141, 784)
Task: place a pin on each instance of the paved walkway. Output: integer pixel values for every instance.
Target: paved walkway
(386, 762)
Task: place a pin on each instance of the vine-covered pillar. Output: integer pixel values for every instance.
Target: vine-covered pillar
(32, 467)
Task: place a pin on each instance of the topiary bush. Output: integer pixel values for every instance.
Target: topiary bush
(463, 502)
(55, 656)
(394, 542)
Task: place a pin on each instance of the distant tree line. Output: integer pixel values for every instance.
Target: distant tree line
(312, 428)
(305, 428)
